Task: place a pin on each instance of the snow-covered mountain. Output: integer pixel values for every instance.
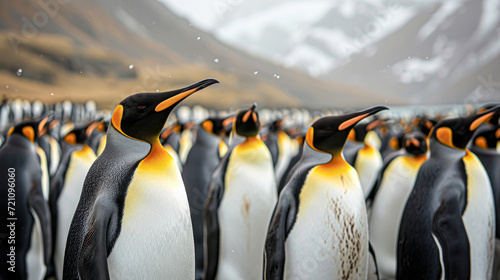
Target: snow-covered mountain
(408, 51)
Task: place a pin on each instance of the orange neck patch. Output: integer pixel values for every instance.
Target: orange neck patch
(158, 159)
(310, 137)
(445, 136)
(250, 143)
(246, 116)
(394, 143)
(481, 142)
(29, 132)
(70, 138)
(352, 135)
(208, 126)
(41, 125)
(116, 119)
(337, 165)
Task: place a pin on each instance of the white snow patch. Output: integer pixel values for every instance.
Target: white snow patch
(417, 69)
(489, 17)
(348, 9)
(446, 9)
(313, 60)
(288, 17)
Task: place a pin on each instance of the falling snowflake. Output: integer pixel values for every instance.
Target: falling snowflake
(19, 72)
(198, 38)
(255, 72)
(131, 66)
(216, 60)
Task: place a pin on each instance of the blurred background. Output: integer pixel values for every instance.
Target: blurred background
(295, 53)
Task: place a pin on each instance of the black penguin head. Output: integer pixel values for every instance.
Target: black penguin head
(415, 143)
(425, 125)
(32, 129)
(396, 141)
(487, 138)
(328, 134)
(143, 115)
(216, 125)
(457, 132)
(80, 133)
(359, 132)
(247, 122)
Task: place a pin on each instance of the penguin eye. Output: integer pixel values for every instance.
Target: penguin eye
(141, 107)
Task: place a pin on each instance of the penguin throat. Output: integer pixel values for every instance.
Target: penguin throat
(337, 165)
(158, 159)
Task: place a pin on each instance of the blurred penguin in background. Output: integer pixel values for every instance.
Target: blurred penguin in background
(25, 242)
(388, 199)
(67, 184)
(208, 148)
(242, 195)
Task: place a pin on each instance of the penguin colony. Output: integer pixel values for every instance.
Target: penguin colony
(250, 194)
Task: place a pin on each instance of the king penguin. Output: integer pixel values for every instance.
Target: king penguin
(208, 148)
(388, 197)
(66, 187)
(25, 239)
(133, 221)
(319, 228)
(241, 198)
(484, 146)
(447, 228)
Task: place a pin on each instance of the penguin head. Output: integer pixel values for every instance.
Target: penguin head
(425, 125)
(396, 141)
(456, 133)
(80, 133)
(328, 134)
(359, 132)
(247, 122)
(415, 143)
(216, 125)
(487, 138)
(142, 116)
(31, 129)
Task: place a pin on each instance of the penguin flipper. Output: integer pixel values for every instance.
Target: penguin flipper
(449, 229)
(211, 219)
(373, 266)
(92, 262)
(39, 205)
(279, 227)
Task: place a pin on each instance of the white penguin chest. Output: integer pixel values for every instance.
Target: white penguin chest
(479, 218)
(67, 202)
(368, 163)
(156, 239)
(244, 213)
(388, 206)
(329, 239)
